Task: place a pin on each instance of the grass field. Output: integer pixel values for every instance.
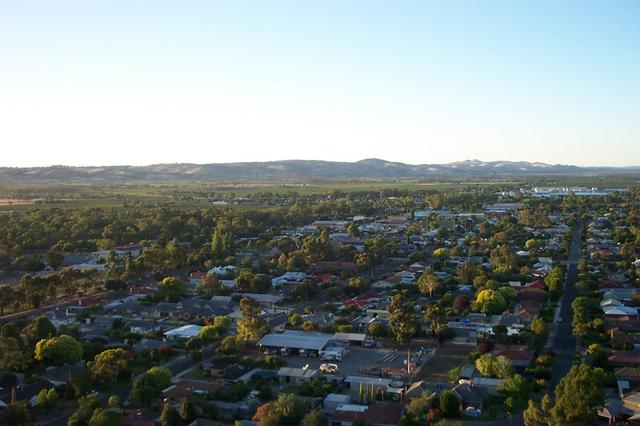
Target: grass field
(193, 194)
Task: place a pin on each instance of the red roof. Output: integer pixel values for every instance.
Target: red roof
(376, 414)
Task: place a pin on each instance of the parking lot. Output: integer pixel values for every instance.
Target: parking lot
(356, 359)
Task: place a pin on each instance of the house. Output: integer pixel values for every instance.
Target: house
(333, 400)
(470, 396)
(146, 345)
(618, 311)
(185, 332)
(297, 376)
(223, 270)
(187, 387)
(519, 356)
(624, 359)
(380, 414)
(289, 278)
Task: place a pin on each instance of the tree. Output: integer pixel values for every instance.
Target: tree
(149, 385)
(208, 334)
(358, 284)
(109, 364)
(40, 328)
(16, 414)
(12, 357)
(285, 410)
(113, 401)
(449, 404)
(209, 285)
(86, 406)
(504, 258)
(188, 411)
(597, 356)
(295, 320)
(314, 418)
(428, 282)
(467, 272)
(171, 289)
(47, 399)
(403, 319)
(536, 415)
(490, 302)
(516, 390)
(251, 326)
(579, 396)
(101, 417)
(170, 416)
(490, 366)
(378, 329)
(59, 350)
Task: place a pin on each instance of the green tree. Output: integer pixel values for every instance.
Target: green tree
(251, 326)
(108, 365)
(449, 404)
(516, 390)
(490, 366)
(12, 357)
(538, 415)
(170, 416)
(314, 418)
(39, 329)
(171, 289)
(188, 411)
(403, 319)
(59, 350)
(16, 414)
(148, 386)
(47, 399)
(428, 282)
(86, 406)
(579, 396)
(285, 410)
(101, 417)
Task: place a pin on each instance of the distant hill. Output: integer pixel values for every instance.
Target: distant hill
(294, 170)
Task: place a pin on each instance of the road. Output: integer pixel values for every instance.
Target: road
(565, 343)
(61, 304)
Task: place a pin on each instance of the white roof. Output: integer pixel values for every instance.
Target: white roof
(186, 331)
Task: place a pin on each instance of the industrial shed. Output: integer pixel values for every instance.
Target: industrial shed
(297, 341)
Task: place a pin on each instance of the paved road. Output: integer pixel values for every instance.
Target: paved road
(565, 343)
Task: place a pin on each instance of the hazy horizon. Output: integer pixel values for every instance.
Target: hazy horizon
(153, 82)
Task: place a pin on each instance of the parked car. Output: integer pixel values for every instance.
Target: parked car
(328, 368)
(472, 412)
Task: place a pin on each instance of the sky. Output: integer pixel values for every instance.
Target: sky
(117, 82)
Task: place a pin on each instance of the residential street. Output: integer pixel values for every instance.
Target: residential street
(565, 343)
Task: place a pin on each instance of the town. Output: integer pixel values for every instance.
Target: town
(342, 308)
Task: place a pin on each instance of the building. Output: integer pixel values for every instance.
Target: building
(297, 376)
(185, 332)
(297, 341)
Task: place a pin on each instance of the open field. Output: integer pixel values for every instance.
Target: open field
(437, 368)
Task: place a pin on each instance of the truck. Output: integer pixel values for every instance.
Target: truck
(332, 354)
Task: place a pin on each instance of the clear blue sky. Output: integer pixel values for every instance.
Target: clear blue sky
(92, 82)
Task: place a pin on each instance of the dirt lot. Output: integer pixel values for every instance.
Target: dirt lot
(446, 358)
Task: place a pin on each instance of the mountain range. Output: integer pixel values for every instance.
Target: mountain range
(293, 170)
